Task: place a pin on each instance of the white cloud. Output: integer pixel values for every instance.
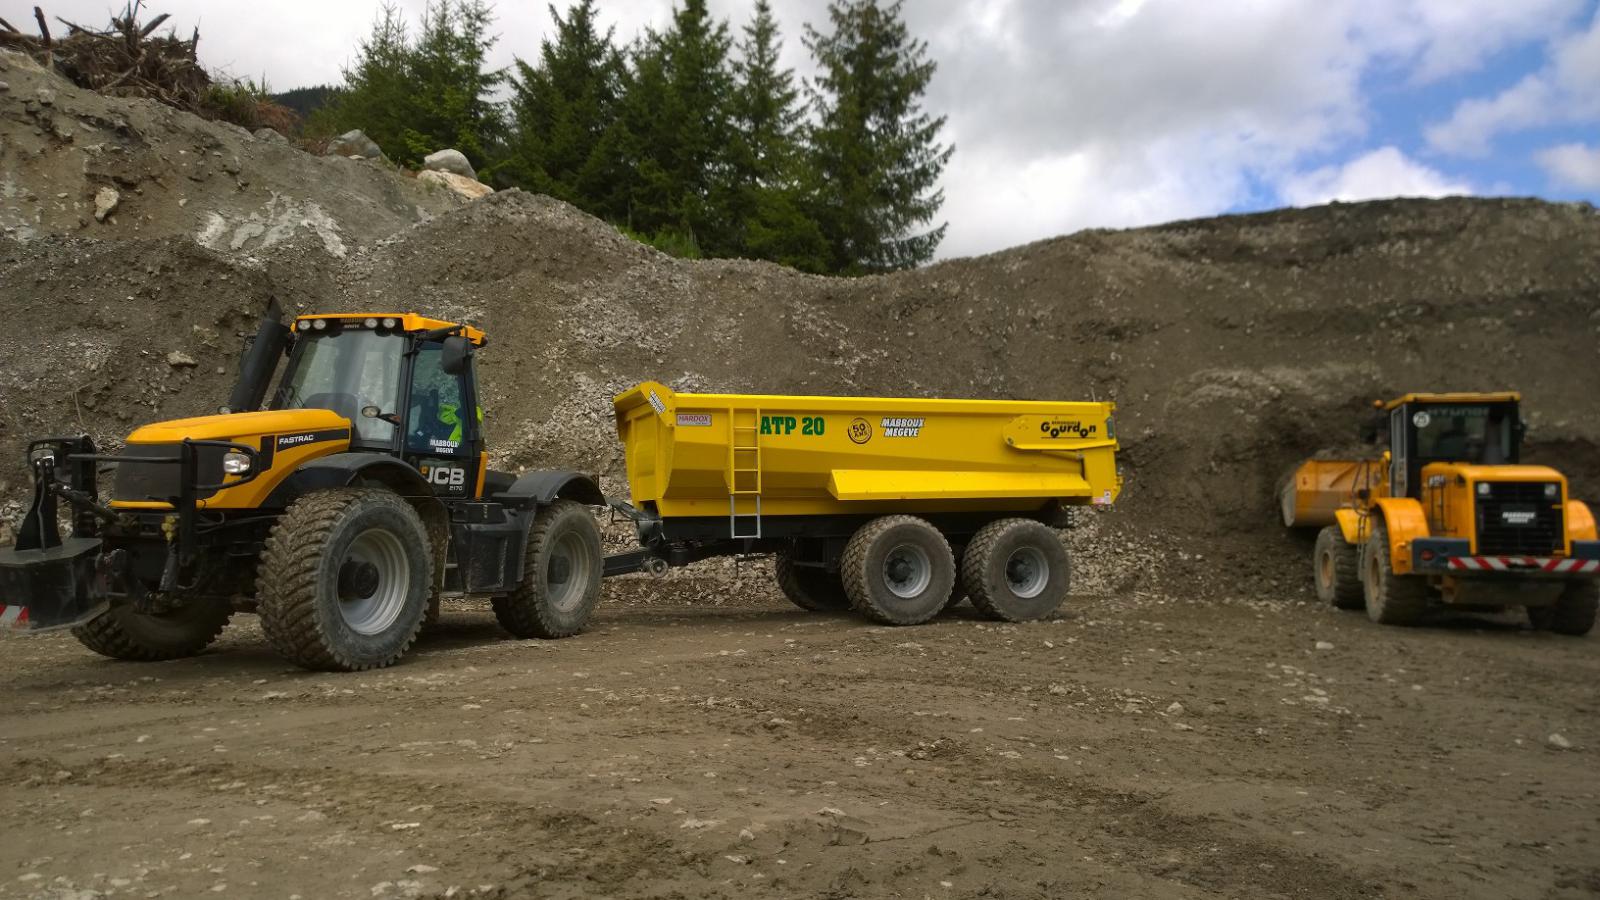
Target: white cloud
(1383, 173)
(1565, 91)
(1572, 165)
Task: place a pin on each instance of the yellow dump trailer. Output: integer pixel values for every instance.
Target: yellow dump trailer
(871, 502)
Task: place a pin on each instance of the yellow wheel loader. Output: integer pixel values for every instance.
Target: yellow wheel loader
(1448, 515)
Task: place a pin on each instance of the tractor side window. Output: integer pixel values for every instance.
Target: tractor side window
(437, 417)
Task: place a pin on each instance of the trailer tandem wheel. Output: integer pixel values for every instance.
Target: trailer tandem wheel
(809, 587)
(1016, 570)
(898, 570)
(1336, 566)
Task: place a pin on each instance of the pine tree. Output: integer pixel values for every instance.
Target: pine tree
(874, 151)
(765, 197)
(416, 96)
(676, 133)
(563, 108)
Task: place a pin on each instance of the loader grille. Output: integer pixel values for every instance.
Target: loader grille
(160, 481)
(1517, 519)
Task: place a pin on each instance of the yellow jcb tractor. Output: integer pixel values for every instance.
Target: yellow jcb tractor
(1449, 514)
(345, 506)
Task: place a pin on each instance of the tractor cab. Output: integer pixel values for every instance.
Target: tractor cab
(1466, 429)
(405, 382)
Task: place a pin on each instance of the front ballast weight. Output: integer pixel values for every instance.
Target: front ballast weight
(69, 581)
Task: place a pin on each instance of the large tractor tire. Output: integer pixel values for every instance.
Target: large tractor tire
(1016, 570)
(1390, 599)
(1573, 612)
(898, 570)
(1336, 566)
(345, 580)
(809, 587)
(123, 633)
(560, 575)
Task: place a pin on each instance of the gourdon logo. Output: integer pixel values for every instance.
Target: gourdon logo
(900, 427)
(1070, 429)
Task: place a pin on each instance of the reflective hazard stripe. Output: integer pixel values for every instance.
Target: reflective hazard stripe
(1505, 563)
(13, 617)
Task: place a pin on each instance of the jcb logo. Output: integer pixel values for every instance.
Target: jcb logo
(446, 477)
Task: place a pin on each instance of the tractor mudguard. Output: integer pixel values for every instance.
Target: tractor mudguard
(343, 469)
(1351, 525)
(546, 486)
(1404, 519)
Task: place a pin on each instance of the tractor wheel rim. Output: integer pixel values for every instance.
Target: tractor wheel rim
(907, 571)
(566, 573)
(1027, 572)
(374, 581)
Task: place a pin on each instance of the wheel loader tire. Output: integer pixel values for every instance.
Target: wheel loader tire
(124, 633)
(809, 587)
(345, 580)
(1390, 599)
(1573, 612)
(1336, 566)
(560, 575)
(1016, 570)
(898, 570)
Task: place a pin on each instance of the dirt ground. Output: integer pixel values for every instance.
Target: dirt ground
(1140, 745)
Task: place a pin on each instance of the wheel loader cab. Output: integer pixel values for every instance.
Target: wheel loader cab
(1468, 429)
(407, 384)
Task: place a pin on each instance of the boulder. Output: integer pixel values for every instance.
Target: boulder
(453, 161)
(105, 203)
(270, 135)
(469, 188)
(355, 143)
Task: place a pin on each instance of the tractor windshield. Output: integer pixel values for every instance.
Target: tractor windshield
(345, 371)
(1463, 433)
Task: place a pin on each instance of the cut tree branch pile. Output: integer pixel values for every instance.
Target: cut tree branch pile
(126, 59)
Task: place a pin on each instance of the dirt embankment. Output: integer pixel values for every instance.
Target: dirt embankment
(1233, 346)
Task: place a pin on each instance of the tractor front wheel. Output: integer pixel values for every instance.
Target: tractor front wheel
(345, 579)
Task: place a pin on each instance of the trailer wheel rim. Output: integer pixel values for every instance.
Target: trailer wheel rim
(1325, 568)
(374, 581)
(565, 574)
(907, 571)
(1027, 572)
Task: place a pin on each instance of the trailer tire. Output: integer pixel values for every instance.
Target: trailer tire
(1016, 570)
(1573, 612)
(345, 580)
(122, 632)
(1336, 569)
(898, 570)
(560, 575)
(1390, 599)
(809, 587)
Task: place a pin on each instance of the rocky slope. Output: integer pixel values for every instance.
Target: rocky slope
(1233, 346)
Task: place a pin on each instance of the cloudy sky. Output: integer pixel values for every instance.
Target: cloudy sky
(1069, 114)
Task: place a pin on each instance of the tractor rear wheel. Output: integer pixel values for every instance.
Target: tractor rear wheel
(898, 570)
(121, 632)
(809, 587)
(1016, 570)
(1336, 566)
(560, 575)
(345, 580)
(1573, 612)
(1390, 599)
